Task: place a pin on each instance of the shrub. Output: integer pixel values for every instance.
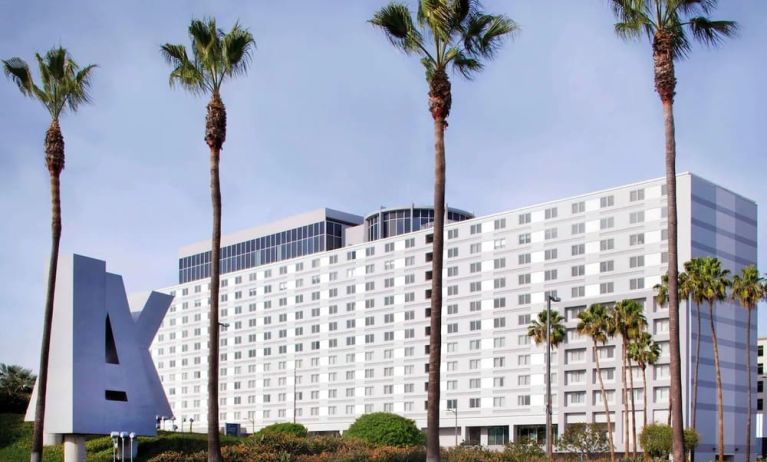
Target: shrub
(383, 428)
(278, 442)
(471, 454)
(656, 440)
(177, 456)
(585, 440)
(284, 427)
(523, 450)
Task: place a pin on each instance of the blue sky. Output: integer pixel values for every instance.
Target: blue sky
(331, 115)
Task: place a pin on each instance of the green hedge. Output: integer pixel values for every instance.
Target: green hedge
(383, 428)
(283, 427)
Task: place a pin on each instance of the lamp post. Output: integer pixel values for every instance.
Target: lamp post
(549, 299)
(454, 410)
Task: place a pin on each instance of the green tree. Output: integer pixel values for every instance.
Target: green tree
(713, 282)
(216, 57)
(629, 322)
(586, 440)
(64, 87)
(384, 428)
(748, 289)
(16, 384)
(595, 322)
(668, 25)
(644, 351)
(537, 328)
(689, 290)
(462, 37)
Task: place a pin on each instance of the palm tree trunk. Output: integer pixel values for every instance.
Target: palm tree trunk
(439, 105)
(633, 411)
(626, 446)
(719, 401)
(749, 435)
(694, 409)
(644, 406)
(54, 156)
(215, 135)
(665, 85)
(604, 401)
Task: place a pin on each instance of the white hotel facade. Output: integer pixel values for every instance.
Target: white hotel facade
(327, 315)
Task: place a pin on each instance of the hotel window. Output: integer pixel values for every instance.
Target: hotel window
(523, 299)
(550, 275)
(500, 223)
(452, 252)
(550, 254)
(475, 325)
(578, 249)
(523, 259)
(524, 238)
(499, 302)
(499, 323)
(498, 401)
(452, 233)
(499, 342)
(550, 213)
(606, 201)
(578, 228)
(606, 288)
(499, 263)
(636, 239)
(499, 243)
(636, 283)
(499, 283)
(636, 262)
(523, 360)
(636, 217)
(389, 247)
(524, 218)
(606, 223)
(475, 229)
(410, 243)
(452, 309)
(523, 339)
(452, 271)
(524, 279)
(474, 402)
(550, 233)
(606, 244)
(578, 270)
(636, 195)
(578, 207)
(660, 395)
(523, 400)
(475, 248)
(452, 328)
(577, 398)
(606, 266)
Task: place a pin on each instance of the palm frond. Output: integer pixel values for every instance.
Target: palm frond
(185, 72)
(237, 46)
(711, 33)
(18, 71)
(691, 7)
(464, 64)
(429, 67)
(396, 21)
(484, 33)
(80, 87)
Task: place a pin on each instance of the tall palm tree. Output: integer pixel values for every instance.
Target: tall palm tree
(64, 87)
(628, 321)
(713, 284)
(748, 289)
(661, 298)
(690, 289)
(644, 351)
(668, 24)
(462, 36)
(537, 328)
(216, 57)
(595, 322)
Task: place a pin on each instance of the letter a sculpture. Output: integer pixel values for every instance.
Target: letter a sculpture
(101, 377)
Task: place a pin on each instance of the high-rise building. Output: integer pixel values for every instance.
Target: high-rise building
(327, 316)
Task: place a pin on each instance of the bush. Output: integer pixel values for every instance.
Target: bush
(523, 450)
(656, 440)
(471, 454)
(383, 428)
(585, 440)
(284, 427)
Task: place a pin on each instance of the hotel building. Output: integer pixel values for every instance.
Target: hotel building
(327, 316)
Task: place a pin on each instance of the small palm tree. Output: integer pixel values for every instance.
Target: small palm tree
(747, 289)
(629, 322)
(690, 289)
(537, 328)
(668, 25)
(644, 351)
(15, 380)
(64, 87)
(216, 57)
(713, 282)
(595, 322)
(462, 36)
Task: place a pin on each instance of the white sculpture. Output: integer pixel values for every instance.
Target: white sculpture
(101, 377)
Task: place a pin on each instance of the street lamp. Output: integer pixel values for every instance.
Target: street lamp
(454, 410)
(549, 298)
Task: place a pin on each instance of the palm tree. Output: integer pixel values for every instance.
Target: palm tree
(628, 321)
(16, 384)
(462, 36)
(690, 289)
(667, 24)
(644, 351)
(64, 87)
(595, 322)
(216, 56)
(713, 284)
(537, 328)
(748, 289)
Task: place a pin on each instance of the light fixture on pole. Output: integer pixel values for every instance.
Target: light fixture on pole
(549, 298)
(454, 410)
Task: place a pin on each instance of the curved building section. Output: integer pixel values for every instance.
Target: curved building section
(389, 222)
